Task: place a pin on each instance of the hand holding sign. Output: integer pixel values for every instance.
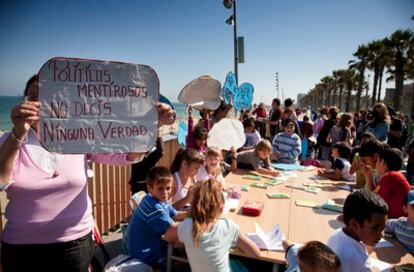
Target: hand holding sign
(91, 106)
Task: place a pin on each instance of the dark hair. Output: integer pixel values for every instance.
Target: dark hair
(305, 118)
(323, 110)
(393, 158)
(318, 255)
(158, 174)
(370, 137)
(200, 133)
(288, 102)
(223, 107)
(370, 149)
(32, 79)
(276, 100)
(333, 111)
(185, 154)
(248, 122)
(361, 204)
(287, 122)
(343, 149)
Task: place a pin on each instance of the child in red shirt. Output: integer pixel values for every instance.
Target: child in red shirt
(393, 187)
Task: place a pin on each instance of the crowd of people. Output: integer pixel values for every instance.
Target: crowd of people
(50, 217)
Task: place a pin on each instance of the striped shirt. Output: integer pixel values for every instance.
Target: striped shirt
(288, 145)
(403, 230)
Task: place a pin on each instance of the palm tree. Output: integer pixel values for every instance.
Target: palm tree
(360, 65)
(399, 44)
(377, 59)
(339, 76)
(351, 81)
(327, 83)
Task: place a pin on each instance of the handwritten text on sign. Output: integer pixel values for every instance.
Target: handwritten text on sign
(91, 106)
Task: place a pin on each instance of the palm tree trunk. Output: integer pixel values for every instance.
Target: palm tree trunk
(381, 73)
(341, 89)
(348, 99)
(412, 101)
(374, 88)
(399, 80)
(359, 91)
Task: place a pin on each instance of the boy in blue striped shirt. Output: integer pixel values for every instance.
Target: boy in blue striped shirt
(403, 227)
(287, 144)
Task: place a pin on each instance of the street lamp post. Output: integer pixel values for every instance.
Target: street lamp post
(232, 20)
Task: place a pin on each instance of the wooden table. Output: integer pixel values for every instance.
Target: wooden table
(300, 224)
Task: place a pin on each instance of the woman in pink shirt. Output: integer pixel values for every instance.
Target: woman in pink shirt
(49, 214)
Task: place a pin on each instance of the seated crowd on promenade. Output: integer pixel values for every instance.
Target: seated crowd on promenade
(364, 152)
(185, 202)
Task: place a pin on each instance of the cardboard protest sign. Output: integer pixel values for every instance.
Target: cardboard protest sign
(182, 132)
(244, 96)
(91, 106)
(226, 133)
(229, 89)
(202, 92)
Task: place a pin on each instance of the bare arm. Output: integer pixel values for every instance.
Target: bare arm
(265, 171)
(248, 246)
(181, 215)
(22, 116)
(369, 181)
(354, 167)
(171, 234)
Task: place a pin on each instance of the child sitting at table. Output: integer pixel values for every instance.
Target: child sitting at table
(251, 133)
(287, 144)
(257, 159)
(207, 236)
(151, 219)
(403, 227)
(197, 135)
(185, 167)
(211, 168)
(341, 166)
(313, 256)
(392, 187)
(364, 214)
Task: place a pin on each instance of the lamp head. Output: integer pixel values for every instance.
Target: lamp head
(230, 20)
(228, 3)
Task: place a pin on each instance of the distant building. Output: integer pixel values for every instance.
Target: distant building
(299, 102)
(406, 101)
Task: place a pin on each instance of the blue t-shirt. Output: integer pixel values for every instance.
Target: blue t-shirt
(149, 222)
(291, 258)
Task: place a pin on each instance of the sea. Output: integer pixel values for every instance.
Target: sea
(8, 102)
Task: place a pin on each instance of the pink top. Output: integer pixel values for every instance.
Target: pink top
(50, 206)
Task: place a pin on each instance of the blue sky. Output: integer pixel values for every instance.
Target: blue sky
(183, 39)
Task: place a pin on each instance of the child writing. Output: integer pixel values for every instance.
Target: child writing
(341, 166)
(257, 159)
(185, 166)
(197, 135)
(152, 218)
(313, 256)
(207, 236)
(211, 168)
(392, 187)
(287, 144)
(365, 214)
(403, 227)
